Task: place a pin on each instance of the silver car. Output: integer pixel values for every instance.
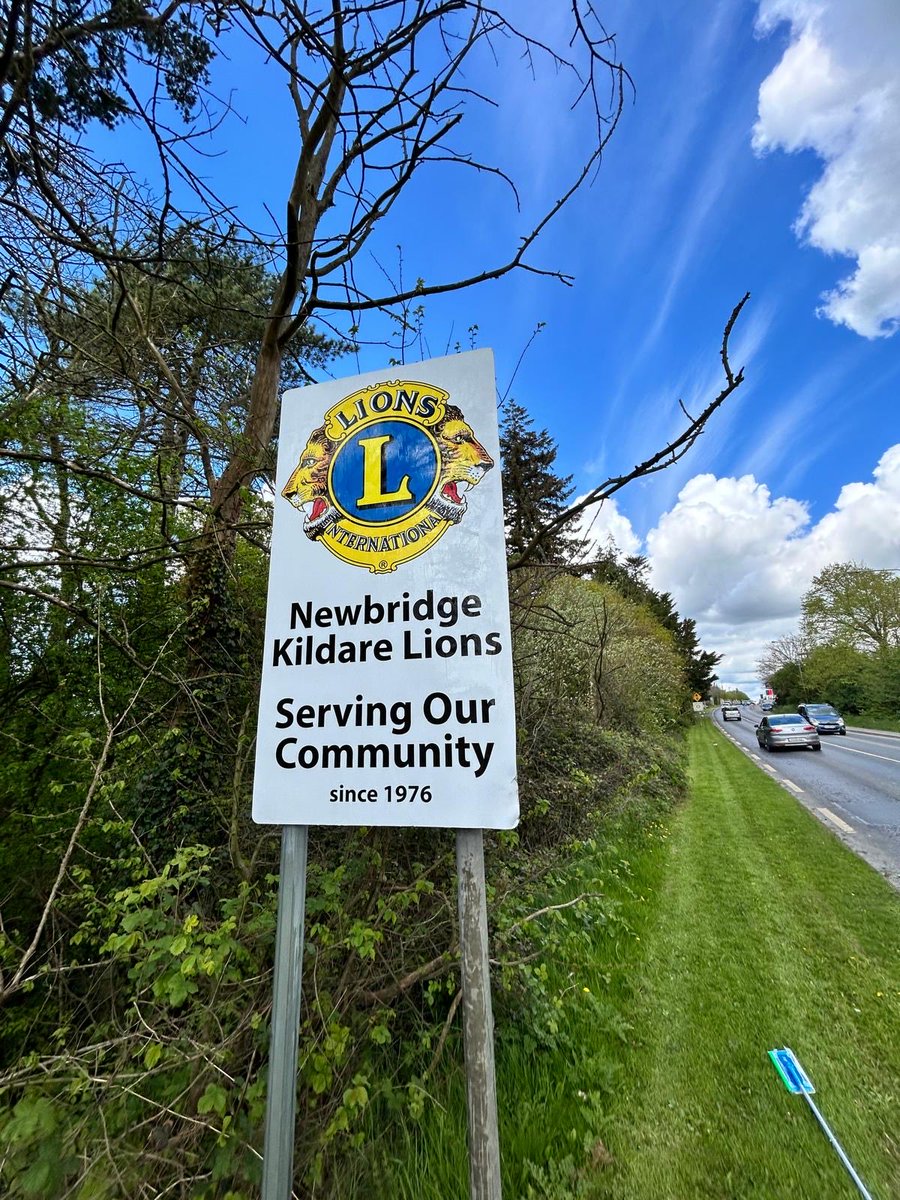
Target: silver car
(787, 730)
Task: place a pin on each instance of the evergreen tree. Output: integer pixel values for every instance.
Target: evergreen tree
(700, 664)
(533, 494)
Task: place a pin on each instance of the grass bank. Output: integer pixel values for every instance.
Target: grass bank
(867, 721)
(733, 925)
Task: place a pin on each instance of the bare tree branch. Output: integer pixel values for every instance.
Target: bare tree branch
(666, 457)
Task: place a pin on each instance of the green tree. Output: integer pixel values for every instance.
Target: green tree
(700, 665)
(66, 66)
(629, 576)
(882, 693)
(788, 684)
(856, 604)
(789, 650)
(66, 63)
(533, 494)
(111, 445)
(837, 674)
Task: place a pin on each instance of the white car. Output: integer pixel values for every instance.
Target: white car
(731, 712)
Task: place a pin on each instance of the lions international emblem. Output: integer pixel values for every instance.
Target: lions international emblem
(385, 474)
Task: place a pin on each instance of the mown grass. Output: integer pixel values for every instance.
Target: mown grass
(769, 932)
(739, 924)
(867, 721)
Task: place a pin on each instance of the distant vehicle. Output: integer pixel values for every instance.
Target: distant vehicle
(825, 718)
(787, 730)
(731, 712)
(766, 705)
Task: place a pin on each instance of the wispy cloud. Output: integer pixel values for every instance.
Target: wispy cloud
(700, 222)
(698, 81)
(700, 219)
(777, 434)
(656, 418)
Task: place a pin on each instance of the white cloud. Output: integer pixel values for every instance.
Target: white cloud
(865, 524)
(718, 550)
(601, 523)
(738, 560)
(836, 91)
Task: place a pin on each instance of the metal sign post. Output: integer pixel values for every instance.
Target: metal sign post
(281, 1100)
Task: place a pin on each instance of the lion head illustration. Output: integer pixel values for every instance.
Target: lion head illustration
(307, 487)
(464, 461)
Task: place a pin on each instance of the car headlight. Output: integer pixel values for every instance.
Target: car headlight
(840, 720)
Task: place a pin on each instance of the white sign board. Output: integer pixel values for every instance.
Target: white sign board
(387, 693)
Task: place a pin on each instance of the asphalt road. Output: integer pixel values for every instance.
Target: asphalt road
(853, 785)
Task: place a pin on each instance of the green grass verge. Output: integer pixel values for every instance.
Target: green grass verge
(768, 933)
(732, 926)
(861, 721)
(557, 1073)
(867, 721)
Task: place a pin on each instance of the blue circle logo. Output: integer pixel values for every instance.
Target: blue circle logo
(385, 471)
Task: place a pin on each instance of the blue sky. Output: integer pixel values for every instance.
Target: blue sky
(760, 152)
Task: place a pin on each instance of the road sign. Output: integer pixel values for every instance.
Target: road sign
(387, 695)
(696, 696)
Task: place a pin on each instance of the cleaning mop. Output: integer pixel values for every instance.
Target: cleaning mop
(798, 1083)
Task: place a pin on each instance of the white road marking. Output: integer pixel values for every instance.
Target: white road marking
(868, 754)
(769, 767)
(826, 812)
(756, 756)
(793, 786)
(863, 821)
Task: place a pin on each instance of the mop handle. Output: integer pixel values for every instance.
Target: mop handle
(863, 1191)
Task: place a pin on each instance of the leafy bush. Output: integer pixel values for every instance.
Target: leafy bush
(137, 1039)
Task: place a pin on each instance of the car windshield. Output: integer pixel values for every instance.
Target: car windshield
(821, 710)
(789, 719)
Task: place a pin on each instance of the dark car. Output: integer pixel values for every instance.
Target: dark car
(781, 731)
(825, 718)
(731, 712)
